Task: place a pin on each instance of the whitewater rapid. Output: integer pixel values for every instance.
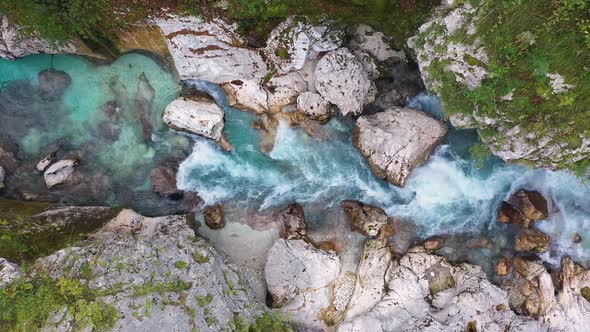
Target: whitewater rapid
(448, 195)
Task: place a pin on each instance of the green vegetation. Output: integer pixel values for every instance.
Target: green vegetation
(527, 41)
(270, 321)
(26, 304)
(176, 286)
(205, 300)
(200, 258)
(180, 265)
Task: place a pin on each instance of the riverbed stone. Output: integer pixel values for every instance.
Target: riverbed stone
(202, 117)
(53, 83)
(365, 218)
(396, 141)
(503, 266)
(292, 221)
(342, 80)
(163, 180)
(214, 216)
(60, 172)
(533, 240)
(531, 204)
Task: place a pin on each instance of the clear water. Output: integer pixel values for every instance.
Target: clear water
(448, 195)
(74, 120)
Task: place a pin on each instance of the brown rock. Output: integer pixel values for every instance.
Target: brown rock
(214, 217)
(366, 219)
(507, 214)
(434, 243)
(472, 326)
(164, 182)
(532, 240)
(521, 266)
(292, 219)
(503, 266)
(501, 307)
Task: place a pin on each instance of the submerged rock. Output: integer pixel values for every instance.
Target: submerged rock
(214, 216)
(60, 172)
(341, 79)
(163, 180)
(503, 266)
(299, 277)
(396, 141)
(533, 240)
(53, 83)
(157, 275)
(367, 219)
(144, 99)
(202, 117)
(292, 220)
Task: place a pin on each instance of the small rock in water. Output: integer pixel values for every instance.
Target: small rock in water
(507, 214)
(53, 83)
(292, 220)
(44, 163)
(367, 219)
(503, 266)
(59, 172)
(164, 182)
(577, 238)
(201, 117)
(523, 208)
(530, 239)
(433, 243)
(214, 217)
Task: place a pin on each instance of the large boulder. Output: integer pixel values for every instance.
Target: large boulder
(314, 106)
(396, 141)
(524, 207)
(342, 80)
(156, 274)
(299, 277)
(201, 117)
(375, 43)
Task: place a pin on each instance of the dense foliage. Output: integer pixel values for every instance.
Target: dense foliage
(526, 41)
(96, 20)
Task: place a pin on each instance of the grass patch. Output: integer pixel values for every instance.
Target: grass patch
(25, 305)
(181, 265)
(200, 258)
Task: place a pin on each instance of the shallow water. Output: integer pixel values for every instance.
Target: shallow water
(109, 116)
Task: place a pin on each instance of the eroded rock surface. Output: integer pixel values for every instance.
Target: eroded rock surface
(367, 219)
(396, 141)
(60, 172)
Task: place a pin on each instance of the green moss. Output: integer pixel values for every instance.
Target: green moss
(176, 286)
(283, 53)
(204, 300)
(269, 321)
(200, 258)
(180, 265)
(26, 304)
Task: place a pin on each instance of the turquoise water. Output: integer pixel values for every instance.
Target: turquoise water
(137, 88)
(448, 195)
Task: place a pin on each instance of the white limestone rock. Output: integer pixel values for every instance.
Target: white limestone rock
(396, 141)
(210, 50)
(202, 117)
(295, 41)
(8, 272)
(342, 80)
(299, 277)
(247, 94)
(314, 106)
(375, 43)
(59, 172)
